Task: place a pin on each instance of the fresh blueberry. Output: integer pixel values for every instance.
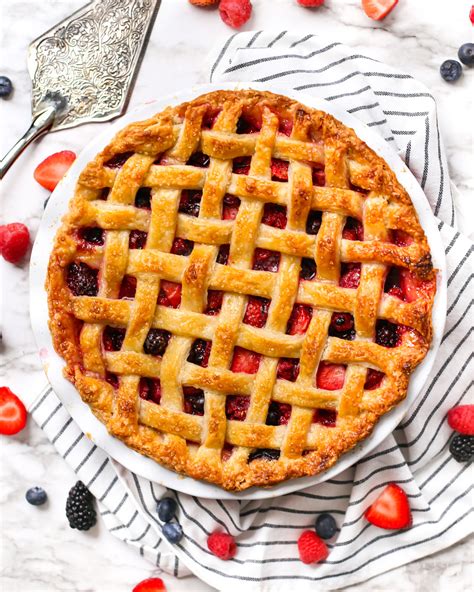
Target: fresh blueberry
(326, 526)
(450, 70)
(6, 86)
(36, 496)
(166, 509)
(466, 54)
(173, 531)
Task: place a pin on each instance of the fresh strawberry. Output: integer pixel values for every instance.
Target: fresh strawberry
(150, 585)
(245, 361)
(330, 376)
(310, 3)
(222, 545)
(12, 413)
(299, 320)
(391, 509)
(378, 9)
(412, 287)
(170, 294)
(49, 172)
(311, 548)
(14, 241)
(461, 419)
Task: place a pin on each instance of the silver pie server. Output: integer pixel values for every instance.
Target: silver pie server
(83, 69)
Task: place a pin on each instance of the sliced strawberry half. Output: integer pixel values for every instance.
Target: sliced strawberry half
(378, 9)
(49, 172)
(12, 412)
(330, 376)
(150, 585)
(245, 361)
(170, 294)
(391, 509)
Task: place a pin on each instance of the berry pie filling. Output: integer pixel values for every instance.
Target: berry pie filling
(182, 247)
(236, 407)
(288, 369)
(112, 379)
(264, 454)
(156, 342)
(326, 417)
(223, 255)
(118, 160)
(279, 169)
(278, 414)
(143, 198)
(104, 193)
(198, 159)
(200, 352)
(241, 165)
(274, 215)
(308, 269)
(210, 117)
(245, 360)
(350, 275)
(193, 400)
(190, 202)
(256, 312)
(330, 377)
(128, 287)
(319, 176)
(401, 238)
(388, 334)
(214, 302)
(373, 379)
(112, 338)
(230, 207)
(342, 326)
(402, 284)
(170, 294)
(82, 280)
(285, 127)
(249, 123)
(137, 239)
(90, 237)
(353, 230)
(313, 223)
(299, 320)
(265, 260)
(150, 389)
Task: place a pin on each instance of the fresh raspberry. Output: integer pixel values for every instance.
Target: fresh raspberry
(461, 419)
(235, 13)
(222, 545)
(311, 548)
(14, 241)
(12, 412)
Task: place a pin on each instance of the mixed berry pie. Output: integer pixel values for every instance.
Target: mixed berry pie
(240, 289)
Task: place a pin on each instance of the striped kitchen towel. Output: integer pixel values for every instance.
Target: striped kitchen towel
(416, 455)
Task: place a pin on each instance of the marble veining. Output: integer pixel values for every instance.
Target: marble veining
(39, 553)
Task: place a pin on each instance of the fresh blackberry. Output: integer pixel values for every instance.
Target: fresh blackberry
(79, 507)
(462, 448)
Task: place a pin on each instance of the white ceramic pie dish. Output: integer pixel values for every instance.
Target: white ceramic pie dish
(53, 364)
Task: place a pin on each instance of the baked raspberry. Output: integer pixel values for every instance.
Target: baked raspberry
(198, 159)
(265, 260)
(117, 161)
(214, 302)
(245, 360)
(222, 545)
(150, 389)
(310, 3)
(279, 170)
(236, 407)
(314, 222)
(342, 326)
(326, 417)
(193, 400)
(230, 207)
(373, 379)
(274, 215)
(387, 334)
(200, 352)
(330, 376)
(241, 165)
(257, 311)
(137, 239)
(350, 275)
(299, 320)
(235, 13)
(353, 230)
(288, 369)
(278, 414)
(91, 236)
(311, 548)
(190, 202)
(112, 338)
(182, 247)
(319, 177)
(128, 287)
(308, 269)
(223, 255)
(14, 241)
(143, 198)
(82, 279)
(170, 294)
(156, 342)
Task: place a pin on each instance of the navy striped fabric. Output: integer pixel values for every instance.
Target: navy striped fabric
(416, 455)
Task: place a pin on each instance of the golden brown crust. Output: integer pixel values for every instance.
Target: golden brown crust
(358, 184)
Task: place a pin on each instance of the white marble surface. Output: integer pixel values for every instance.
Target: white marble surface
(39, 553)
